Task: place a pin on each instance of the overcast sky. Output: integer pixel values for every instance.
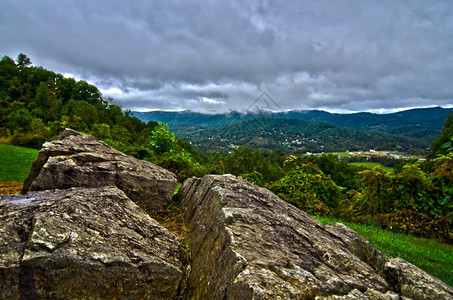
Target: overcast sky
(216, 56)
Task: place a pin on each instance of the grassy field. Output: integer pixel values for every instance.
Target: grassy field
(430, 255)
(371, 165)
(344, 154)
(15, 162)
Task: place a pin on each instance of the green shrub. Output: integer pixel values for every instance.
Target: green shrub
(307, 187)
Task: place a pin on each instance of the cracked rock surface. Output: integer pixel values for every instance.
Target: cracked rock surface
(76, 233)
(247, 243)
(78, 243)
(79, 160)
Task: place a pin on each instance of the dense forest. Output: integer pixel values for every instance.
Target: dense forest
(37, 104)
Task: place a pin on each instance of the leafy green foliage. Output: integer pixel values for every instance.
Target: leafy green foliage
(342, 173)
(442, 178)
(410, 201)
(443, 144)
(171, 154)
(162, 140)
(253, 165)
(307, 187)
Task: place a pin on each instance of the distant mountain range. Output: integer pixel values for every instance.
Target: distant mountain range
(301, 131)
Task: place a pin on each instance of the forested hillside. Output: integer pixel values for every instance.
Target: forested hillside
(418, 127)
(294, 136)
(36, 104)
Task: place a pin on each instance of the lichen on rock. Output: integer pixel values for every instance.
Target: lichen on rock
(75, 159)
(247, 243)
(84, 243)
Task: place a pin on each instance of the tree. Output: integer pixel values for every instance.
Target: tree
(440, 145)
(443, 180)
(65, 87)
(23, 61)
(412, 189)
(101, 131)
(162, 140)
(307, 187)
(170, 154)
(375, 198)
(42, 99)
(84, 91)
(20, 119)
(341, 172)
(8, 69)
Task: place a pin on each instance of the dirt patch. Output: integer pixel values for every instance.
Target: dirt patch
(10, 187)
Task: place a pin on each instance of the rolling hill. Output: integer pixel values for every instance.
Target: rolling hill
(302, 131)
(291, 136)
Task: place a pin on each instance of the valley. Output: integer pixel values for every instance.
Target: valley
(301, 132)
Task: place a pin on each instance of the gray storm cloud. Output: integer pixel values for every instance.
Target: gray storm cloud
(218, 56)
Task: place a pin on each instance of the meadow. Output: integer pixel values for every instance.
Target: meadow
(371, 165)
(15, 162)
(430, 255)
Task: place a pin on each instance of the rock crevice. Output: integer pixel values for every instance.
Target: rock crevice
(249, 244)
(87, 243)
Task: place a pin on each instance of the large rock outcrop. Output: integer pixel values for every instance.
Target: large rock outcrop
(79, 160)
(77, 234)
(84, 243)
(247, 243)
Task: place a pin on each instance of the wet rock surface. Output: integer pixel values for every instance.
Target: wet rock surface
(247, 243)
(84, 243)
(79, 160)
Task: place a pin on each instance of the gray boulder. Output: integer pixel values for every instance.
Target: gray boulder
(84, 243)
(80, 160)
(411, 282)
(247, 243)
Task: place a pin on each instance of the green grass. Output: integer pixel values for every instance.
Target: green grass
(371, 165)
(344, 154)
(15, 162)
(430, 255)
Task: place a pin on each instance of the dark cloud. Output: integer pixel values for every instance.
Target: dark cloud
(220, 55)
